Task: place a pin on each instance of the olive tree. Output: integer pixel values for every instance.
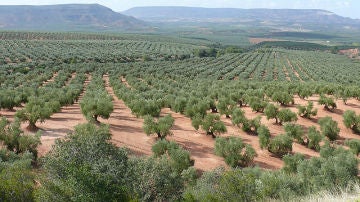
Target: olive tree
(178, 157)
(213, 125)
(286, 115)
(352, 121)
(296, 132)
(36, 110)
(314, 138)
(307, 111)
(264, 136)
(256, 104)
(10, 99)
(284, 98)
(354, 145)
(251, 125)
(329, 128)
(328, 102)
(234, 151)
(96, 104)
(161, 127)
(291, 162)
(238, 117)
(15, 140)
(226, 106)
(280, 145)
(271, 112)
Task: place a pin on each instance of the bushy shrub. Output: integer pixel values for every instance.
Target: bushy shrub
(96, 104)
(307, 111)
(213, 125)
(291, 162)
(178, 157)
(295, 131)
(352, 121)
(329, 128)
(264, 136)
(234, 151)
(271, 112)
(328, 102)
(161, 127)
(314, 138)
(354, 146)
(284, 98)
(286, 115)
(280, 145)
(36, 110)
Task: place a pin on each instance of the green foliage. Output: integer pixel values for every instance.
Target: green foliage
(314, 138)
(304, 92)
(328, 102)
(15, 140)
(16, 176)
(291, 162)
(351, 120)
(238, 116)
(257, 104)
(251, 125)
(154, 179)
(307, 111)
(206, 187)
(225, 106)
(271, 112)
(234, 151)
(213, 125)
(280, 145)
(264, 136)
(212, 52)
(37, 109)
(286, 115)
(96, 103)
(179, 158)
(161, 127)
(282, 97)
(196, 121)
(9, 99)
(329, 128)
(85, 166)
(295, 131)
(335, 169)
(354, 145)
(237, 185)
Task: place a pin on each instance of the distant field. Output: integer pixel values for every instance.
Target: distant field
(173, 87)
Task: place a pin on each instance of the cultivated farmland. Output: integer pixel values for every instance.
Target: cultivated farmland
(51, 82)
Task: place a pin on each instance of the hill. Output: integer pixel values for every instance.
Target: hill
(74, 17)
(306, 17)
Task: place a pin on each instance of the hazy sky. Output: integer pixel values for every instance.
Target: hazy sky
(348, 8)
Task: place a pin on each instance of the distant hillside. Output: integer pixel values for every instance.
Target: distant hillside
(265, 16)
(65, 17)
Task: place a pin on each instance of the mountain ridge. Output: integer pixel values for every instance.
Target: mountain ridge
(199, 14)
(72, 17)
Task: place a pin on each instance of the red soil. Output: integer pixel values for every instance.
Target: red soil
(127, 131)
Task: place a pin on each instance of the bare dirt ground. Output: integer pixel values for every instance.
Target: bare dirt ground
(351, 53)
(60, 124)
(127, 130)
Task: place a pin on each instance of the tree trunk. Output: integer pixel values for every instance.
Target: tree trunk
(96, 118)
(32, 127)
